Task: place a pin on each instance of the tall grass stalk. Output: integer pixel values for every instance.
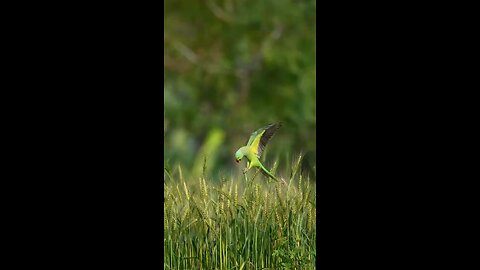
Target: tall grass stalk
(239, 225)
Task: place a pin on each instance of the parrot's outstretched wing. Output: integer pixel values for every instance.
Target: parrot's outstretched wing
(255, 134)
(259, 139)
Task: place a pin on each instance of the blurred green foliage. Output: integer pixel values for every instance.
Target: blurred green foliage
(231, 67)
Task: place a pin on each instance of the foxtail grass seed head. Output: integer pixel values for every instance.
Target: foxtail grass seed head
(235, 199)
(223, 182)
(222, 203)
(274, 167)
(204, 168)
(257, 194)
(204, 191)
(300, 183)
(165, 216)
(265, 205)
(279, 197)
(229, 194)
(174, 222)
(278, 218)
(180, 173)
(184, 215)
(186, 191)
(296, 166)
(309, 218)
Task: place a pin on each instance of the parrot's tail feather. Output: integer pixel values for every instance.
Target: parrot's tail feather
(268, 174)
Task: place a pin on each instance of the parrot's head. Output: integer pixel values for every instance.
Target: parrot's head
(238, 155)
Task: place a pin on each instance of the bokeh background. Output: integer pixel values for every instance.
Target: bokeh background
(231, 67)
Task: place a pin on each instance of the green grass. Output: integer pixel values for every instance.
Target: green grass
(239, 223)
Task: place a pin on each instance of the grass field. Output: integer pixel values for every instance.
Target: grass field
(239, 223)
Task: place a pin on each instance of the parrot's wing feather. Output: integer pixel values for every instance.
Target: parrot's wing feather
(260, 138)
(255, 134)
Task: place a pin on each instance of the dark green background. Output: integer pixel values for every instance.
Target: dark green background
(232, 67)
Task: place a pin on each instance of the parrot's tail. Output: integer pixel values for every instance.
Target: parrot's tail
(268, 174)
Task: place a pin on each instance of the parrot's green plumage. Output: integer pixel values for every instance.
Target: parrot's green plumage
(254, 148)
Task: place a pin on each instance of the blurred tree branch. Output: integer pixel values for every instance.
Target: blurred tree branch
(219, 12)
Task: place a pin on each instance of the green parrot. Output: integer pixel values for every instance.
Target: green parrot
(254, 148)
